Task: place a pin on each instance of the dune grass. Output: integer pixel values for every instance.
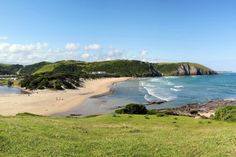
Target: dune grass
(116, 135)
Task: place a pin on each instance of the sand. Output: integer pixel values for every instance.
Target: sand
(48, 102)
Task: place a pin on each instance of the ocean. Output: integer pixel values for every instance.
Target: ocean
(176, 90)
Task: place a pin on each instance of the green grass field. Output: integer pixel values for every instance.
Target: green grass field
(119, 135)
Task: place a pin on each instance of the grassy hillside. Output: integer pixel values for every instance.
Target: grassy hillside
(60, 67)
(120, 135)
(124, 68)
(9, 69)
(59, 75)
(30, 69)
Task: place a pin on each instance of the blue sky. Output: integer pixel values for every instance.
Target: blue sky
(200, 31)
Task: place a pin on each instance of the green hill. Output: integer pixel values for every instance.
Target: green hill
(59, 67)
(66, 74)
(109, 68)
(116, 135)
(9, 69)
(130, 68)
(59, 75)
(30, 69)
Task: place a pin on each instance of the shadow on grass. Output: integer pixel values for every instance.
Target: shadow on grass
(28, 114)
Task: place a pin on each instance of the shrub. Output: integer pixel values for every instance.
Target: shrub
(194, 112)
(133, 109)
(152, 112)
(226, 113)
(27, 114)
(160, 114)
(9, 83)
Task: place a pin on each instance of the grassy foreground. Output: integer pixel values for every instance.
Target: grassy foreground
(120, 135)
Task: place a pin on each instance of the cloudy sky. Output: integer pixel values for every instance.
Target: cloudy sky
(200, 31)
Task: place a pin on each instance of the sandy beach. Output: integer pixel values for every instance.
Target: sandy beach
(48, 102)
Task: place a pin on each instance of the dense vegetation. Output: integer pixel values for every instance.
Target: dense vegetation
(116, 135)
(30, 69)
(130, 68)
(8, 69)
(226, 113)
(133, 109)
(49, 80)
(59, 75)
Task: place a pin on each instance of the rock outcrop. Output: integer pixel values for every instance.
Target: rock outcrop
(188, 69)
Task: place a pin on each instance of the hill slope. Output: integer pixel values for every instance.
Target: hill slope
(30, 69)
(129, 68)
(9, 69)
(111, 68)
(120, 135)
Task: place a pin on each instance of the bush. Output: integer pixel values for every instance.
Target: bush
(9, 83)
(27, 114)
(226, 113)
(133, 109)
(57, 81)
(194, 112)
(152, 112)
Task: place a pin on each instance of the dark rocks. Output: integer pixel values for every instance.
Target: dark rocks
(75, 115)
(198, 109)
(158, 102)
(189, 69)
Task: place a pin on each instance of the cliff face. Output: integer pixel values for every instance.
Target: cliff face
(188, 69)
(181, 69)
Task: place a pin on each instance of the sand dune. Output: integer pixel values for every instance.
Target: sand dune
(47, 102)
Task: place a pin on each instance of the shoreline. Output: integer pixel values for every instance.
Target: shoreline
(49, 102)
(197, 110)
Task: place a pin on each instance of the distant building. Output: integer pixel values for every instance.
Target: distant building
(98, 72)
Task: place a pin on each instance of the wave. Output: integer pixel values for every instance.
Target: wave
(178, 86)
(174, 89)
(149, 98)
(151, 92)
(170, 83)
(161, 81)
(230, 99)
(158, 89)
(171, 77)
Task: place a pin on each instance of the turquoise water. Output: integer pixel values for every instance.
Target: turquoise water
(177, 91)
(10, 90)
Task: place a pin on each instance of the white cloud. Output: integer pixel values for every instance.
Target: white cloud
(143, 52)
(143, 55)
(3, 38)
(92, 47)
(85, 56)
(72, 47)
(37, 52)
(14, 48)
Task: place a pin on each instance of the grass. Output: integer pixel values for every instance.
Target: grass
(50, 67)
(119, 135)
(226, 113)
(46, 68)
(3, 82)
